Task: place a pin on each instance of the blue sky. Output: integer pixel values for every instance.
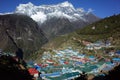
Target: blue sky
(102, 8)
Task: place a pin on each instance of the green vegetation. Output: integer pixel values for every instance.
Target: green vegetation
(105, 29)
(105, 26)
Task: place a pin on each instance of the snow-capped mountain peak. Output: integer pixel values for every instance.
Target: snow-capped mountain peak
(66, 4)
(25, 8)
(43, 12)
(28, 5)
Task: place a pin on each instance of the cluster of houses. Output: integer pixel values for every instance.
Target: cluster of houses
(96, 45)
(68, 64)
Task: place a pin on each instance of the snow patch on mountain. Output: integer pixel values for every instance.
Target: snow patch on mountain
(39, 17)
(59, 14)
(6, 13)
(81, 10)
(43, 12)
(66, 4)
(90, 10)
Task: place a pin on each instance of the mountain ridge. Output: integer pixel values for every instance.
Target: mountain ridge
(23, 30)
(57, 19)
(61, 10)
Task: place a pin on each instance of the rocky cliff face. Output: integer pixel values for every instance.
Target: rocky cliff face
(23, 30)
(56, 27)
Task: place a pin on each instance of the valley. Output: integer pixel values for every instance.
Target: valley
(59, 42)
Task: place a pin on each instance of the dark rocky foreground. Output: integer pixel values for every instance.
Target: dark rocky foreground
(11, 70)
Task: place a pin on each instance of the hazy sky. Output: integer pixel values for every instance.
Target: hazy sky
(101, 8)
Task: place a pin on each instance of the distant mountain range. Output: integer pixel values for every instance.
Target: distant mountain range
(57, 19)
(61, 10)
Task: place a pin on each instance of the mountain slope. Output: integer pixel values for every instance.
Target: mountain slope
(57, 19)
(56, 26)
(23, 30)
(106, 29)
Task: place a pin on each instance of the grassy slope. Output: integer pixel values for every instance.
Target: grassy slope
(108, 28)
